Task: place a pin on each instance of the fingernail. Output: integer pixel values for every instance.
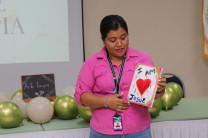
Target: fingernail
(128, 103)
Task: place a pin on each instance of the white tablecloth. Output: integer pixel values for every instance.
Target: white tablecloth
(180, 129)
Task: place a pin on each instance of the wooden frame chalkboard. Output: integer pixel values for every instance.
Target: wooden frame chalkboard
(42, 85)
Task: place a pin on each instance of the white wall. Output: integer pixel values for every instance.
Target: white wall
(170, 31)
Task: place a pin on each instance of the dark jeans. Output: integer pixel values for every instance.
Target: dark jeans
(143, 134)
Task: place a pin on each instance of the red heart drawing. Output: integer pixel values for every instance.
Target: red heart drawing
(142, 85)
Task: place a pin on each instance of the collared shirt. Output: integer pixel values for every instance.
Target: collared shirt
(96, 77)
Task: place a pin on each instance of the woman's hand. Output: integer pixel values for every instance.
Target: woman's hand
(161, 86)
(115, 103)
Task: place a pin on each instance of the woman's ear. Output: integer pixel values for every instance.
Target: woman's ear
(102, 40)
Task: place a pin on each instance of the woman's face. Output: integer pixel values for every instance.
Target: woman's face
(116, 43)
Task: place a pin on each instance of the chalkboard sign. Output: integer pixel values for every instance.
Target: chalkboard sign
(42, 85)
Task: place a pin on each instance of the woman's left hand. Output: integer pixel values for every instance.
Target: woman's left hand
(161, 83)
(161, 86)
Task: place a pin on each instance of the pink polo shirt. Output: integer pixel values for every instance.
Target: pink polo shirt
(96, 77)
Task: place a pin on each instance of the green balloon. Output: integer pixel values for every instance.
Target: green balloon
(177, 90)
(10, 115)
(170, 98)
(65, 107)
(156, 108)
(85, 113)
(16, 92)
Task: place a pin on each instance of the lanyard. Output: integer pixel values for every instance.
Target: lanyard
(116, 82)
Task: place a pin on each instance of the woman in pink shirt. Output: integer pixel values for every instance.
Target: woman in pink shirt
(104, 81)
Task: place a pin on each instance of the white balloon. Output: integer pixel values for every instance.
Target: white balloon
(21, 103)
(40, 110)
(4, 97)
(68, 91)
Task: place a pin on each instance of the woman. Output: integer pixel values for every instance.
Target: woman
(104, 81)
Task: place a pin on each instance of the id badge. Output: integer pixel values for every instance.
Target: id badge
(117, 122)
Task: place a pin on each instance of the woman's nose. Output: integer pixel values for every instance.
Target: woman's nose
(119, 43)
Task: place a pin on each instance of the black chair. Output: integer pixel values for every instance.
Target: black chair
(170, 77)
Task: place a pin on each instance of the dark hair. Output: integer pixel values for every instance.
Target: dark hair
(112, 22)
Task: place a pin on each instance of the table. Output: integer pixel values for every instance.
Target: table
(26, 127)
(188, 119)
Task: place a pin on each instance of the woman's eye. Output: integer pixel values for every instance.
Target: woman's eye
(123, 38)
(112, 40)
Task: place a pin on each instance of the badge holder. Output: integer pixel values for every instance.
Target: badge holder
(117, 119)
(117, 122)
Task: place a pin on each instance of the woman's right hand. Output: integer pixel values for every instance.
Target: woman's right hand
(115, 103)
